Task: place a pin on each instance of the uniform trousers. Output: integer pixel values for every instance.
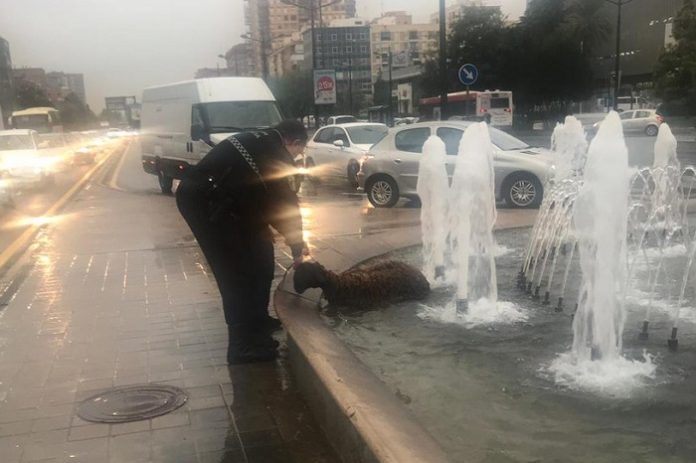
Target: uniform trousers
(239, 253)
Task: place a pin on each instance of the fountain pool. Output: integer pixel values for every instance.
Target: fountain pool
(486, 393)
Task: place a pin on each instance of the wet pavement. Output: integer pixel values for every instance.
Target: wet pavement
(115, 292)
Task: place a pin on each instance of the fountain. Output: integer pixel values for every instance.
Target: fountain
(614, 242)
(432, 188)
(472, 217)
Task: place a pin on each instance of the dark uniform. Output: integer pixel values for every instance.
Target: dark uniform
(229, 199)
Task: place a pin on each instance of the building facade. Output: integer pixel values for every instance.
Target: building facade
(6, 81)
(271, 21)
(646, 29)
(345, 47)
(409, 44)
(60, 84)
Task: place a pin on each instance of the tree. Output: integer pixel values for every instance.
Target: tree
(75, 114)
(675, 73)
(294, 93)
(587, 22)
(29, 95)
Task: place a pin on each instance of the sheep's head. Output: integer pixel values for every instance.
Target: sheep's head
(309, 275)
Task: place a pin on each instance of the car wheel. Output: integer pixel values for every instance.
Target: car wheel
(382, 191)
(352, 173)
(651, 131)
(522, 190)
(165, 183)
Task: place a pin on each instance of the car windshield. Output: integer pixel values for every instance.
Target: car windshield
(15, 142)
(505, 141)
(345, 119)
(239, 115)
(367, 134)
(30, 121)
(51, 140)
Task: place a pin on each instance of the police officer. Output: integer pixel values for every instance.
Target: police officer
(229, 199)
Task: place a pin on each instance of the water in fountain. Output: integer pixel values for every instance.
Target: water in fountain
(432, 189)
(600, 216)
(569, 144)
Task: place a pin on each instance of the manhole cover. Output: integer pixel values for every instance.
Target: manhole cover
(131, 403)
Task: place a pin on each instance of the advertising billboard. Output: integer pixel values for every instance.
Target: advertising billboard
(324, 86)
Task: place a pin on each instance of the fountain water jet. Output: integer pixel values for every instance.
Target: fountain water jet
(432, 188)
(472, 217)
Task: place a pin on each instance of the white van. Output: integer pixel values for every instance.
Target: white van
(180, 122)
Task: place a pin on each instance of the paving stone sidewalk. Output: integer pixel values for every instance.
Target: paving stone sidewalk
(116, 292)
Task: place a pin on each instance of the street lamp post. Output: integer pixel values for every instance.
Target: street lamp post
(443, 62)
(617, 59)
(218, 64)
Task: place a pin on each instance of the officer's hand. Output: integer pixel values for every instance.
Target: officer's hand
(298, 260)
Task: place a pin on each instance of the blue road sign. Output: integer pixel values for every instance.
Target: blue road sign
(468, 74)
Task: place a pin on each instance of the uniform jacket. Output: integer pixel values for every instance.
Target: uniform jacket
(247, 179)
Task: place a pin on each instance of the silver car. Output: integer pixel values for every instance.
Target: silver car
(646, 121)
(390, 169)
(335, 150)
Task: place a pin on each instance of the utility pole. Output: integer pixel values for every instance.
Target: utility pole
(617, 59)
(390, 121)
(443, 63)
(350, 82)
(314, 64)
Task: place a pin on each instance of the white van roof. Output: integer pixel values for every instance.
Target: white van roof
(213, 89)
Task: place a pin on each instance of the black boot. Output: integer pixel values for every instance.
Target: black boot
(272, 324)
(249, 346)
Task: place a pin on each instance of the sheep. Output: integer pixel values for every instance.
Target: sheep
(364, 287)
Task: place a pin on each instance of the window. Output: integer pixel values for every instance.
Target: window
(349, 49)
(363, 48)
(413, 35)
(334, 37)
(340, 134)
(642, 114)
(349, 36)
(367, 134)
(412, 140)
(451, 137)
(500, 103)
(196, 116)
(626, 115)
(334, 49)
(363, 36)
(324, 136)
(385, 36)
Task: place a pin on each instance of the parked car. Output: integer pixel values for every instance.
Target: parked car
(22, 160)
(344, 119)
(646, 121)
(335, 150)
(390, 169)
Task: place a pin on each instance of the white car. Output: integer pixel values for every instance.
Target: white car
(22, 160)
(335, 150)
(390, 169)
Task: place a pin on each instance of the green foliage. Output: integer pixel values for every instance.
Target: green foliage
(294, 93)
(544, 59)
(675, 73)
(29, 95)
(75, 114)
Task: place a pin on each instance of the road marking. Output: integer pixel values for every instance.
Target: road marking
(113, 182)
(18, 245)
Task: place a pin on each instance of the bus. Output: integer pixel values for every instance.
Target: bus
(494, 107)
(41, 119)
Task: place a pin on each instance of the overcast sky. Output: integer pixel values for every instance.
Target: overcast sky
(123, 46)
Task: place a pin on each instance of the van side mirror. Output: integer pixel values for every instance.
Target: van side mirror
(197, 132)
(339, 143)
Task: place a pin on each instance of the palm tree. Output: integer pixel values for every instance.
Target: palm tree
(588, 21)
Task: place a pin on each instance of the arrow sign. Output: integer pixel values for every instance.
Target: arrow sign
(468, 74)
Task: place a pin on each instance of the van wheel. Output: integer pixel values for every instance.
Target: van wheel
(165, 183)
(651, 131)
(352, 173)
(382, 191)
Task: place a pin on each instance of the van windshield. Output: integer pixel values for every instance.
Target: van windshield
(238, 115)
